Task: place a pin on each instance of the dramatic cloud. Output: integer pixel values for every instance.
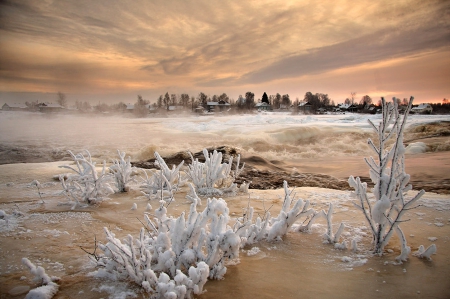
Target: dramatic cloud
(150, 47)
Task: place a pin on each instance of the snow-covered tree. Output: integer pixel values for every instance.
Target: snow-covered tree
(391, 182)
(86, 185)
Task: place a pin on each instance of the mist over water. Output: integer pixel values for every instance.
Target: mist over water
(41, 137)
(35, 137)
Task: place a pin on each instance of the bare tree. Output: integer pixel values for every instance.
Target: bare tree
(166, 100)
(249, 100)
(285, 100)
(224, 97)
(140, 108)
(202, 99)
(173, 99)
(353, 96)
(184, 99)
(365, 100)
(62, 100)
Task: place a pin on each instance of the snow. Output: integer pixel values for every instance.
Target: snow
(416, 148)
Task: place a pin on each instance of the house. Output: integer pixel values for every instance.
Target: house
(305, 107)
(348, 107)
(14, 107)
(263, 106)
(130, 108)
(50, 108)
(422, 108)
(217, 106)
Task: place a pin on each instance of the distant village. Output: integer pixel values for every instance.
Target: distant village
(205, 105)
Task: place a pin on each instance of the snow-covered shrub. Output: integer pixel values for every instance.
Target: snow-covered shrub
(122, 170)
(164, 183)
(329, 236)
(290, 213)
(272, 229)
(47, 289)
(183, 252)
(86, 185)
(214, 178)
(391, 182)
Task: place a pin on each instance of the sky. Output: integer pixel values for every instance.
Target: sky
(111, 51)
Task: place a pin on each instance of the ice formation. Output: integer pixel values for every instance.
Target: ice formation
(214, 178)
(390, 180)
(47, 289)
(86, 185)
(122, 171)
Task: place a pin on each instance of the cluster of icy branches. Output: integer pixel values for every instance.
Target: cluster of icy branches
(391, 182)
(212, 178)
(174, 257)
(164, 183)
(292, 211)
(86, 184)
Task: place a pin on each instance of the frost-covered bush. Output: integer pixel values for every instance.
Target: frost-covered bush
(173, 257)
(122, 171)
(164, 183)
(391, 182)
(86, 185)
(47, 289)
(214, 178)
(272, 229)
(329, 237)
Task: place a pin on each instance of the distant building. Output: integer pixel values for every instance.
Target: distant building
(50, 108)
(422, 108)
(263, 106)
(217, 106)
(130, 107)
(14, 107)
(305, 107)
(348, 107)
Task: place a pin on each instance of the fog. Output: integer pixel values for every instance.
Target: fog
(36, 137)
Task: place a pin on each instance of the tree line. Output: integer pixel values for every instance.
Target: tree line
(244, 102)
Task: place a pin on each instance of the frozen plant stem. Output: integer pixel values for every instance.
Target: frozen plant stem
(391, 182)
(37, 184)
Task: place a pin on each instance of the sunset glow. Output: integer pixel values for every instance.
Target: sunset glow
(112, 51)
